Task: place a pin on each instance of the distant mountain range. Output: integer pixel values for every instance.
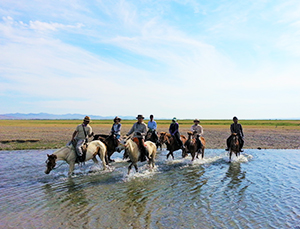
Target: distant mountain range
(54, 116)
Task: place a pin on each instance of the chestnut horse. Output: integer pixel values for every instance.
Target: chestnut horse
(191, 146)
(132, 149)
(171, 143)
(68, 154)
(234, 146)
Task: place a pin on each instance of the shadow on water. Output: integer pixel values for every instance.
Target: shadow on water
(235, 180)
(67, 191)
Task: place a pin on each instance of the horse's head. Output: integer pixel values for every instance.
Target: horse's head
(190, 133)
(148, 135)
(162, 137)
(235, 139)
(122, 143)
(50, 163)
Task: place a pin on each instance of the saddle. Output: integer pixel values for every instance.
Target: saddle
(136, 140)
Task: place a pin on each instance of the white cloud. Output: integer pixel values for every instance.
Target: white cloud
(152, 65)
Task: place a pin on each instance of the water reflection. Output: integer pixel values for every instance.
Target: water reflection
(67, 194)
(135, 211)
(237, 184)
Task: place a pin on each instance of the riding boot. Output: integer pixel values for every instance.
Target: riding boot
(228, 143)
(241, 141)
(142, 150)
(143, 154)
(199, 144)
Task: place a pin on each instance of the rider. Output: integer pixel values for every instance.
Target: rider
(197, 131)
(152, 126)
(140, 130)
(116, 127)
(236, 128)
(81, 134)
(173, 129)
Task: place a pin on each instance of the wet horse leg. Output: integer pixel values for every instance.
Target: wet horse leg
(130, 166)
(71, 168)
(230, 153)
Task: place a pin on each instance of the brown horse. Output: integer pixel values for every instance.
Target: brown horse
(234, 146)
(192, 147)
(111, 143)
(171, 143)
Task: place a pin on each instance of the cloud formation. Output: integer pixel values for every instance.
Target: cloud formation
(174, 58)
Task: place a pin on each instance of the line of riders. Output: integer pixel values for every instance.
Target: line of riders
(142, 132)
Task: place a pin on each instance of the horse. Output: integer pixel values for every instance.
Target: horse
(151, 136)
(234, 146)
(111, 144)
(68, 154)
(132, 149)
(171, 143)
(192, 147)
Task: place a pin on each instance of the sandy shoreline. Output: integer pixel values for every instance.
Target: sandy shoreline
(58, 136)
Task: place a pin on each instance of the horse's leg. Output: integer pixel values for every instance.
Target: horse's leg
(230, 153)
(135, 166)
(102, 156)
(109, 154)
(172, 155)
(95, 160)
(106, 159)
(71, 168)
(168, 155)
(129, 168)
(202, 152)
(193, 155)
(184, 153)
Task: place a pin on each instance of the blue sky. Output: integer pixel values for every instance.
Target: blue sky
(189, 59)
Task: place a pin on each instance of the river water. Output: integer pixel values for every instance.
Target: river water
(260, 189)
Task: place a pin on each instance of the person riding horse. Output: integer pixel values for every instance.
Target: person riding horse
(197, 131)
(80, 136)
(140, 130)
(152, 126)
(173, 129)
(116, 129)
(236, 128)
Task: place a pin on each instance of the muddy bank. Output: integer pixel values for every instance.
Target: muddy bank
(49, 137)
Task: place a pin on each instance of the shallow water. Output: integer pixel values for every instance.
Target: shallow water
(260, 189)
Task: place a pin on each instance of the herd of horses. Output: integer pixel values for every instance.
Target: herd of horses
(105, 145)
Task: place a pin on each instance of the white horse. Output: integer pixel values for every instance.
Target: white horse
(131, 148)
(67, 154)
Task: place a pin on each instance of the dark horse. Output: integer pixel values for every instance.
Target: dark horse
(171, 143)
(234, 146)
(151, 136)
(111, 143)
(192, 147)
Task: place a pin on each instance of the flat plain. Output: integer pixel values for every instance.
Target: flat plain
(52, 134)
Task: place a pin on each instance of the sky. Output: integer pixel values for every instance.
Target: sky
(170, 58)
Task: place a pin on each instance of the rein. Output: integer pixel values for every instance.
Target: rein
(59, 165)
